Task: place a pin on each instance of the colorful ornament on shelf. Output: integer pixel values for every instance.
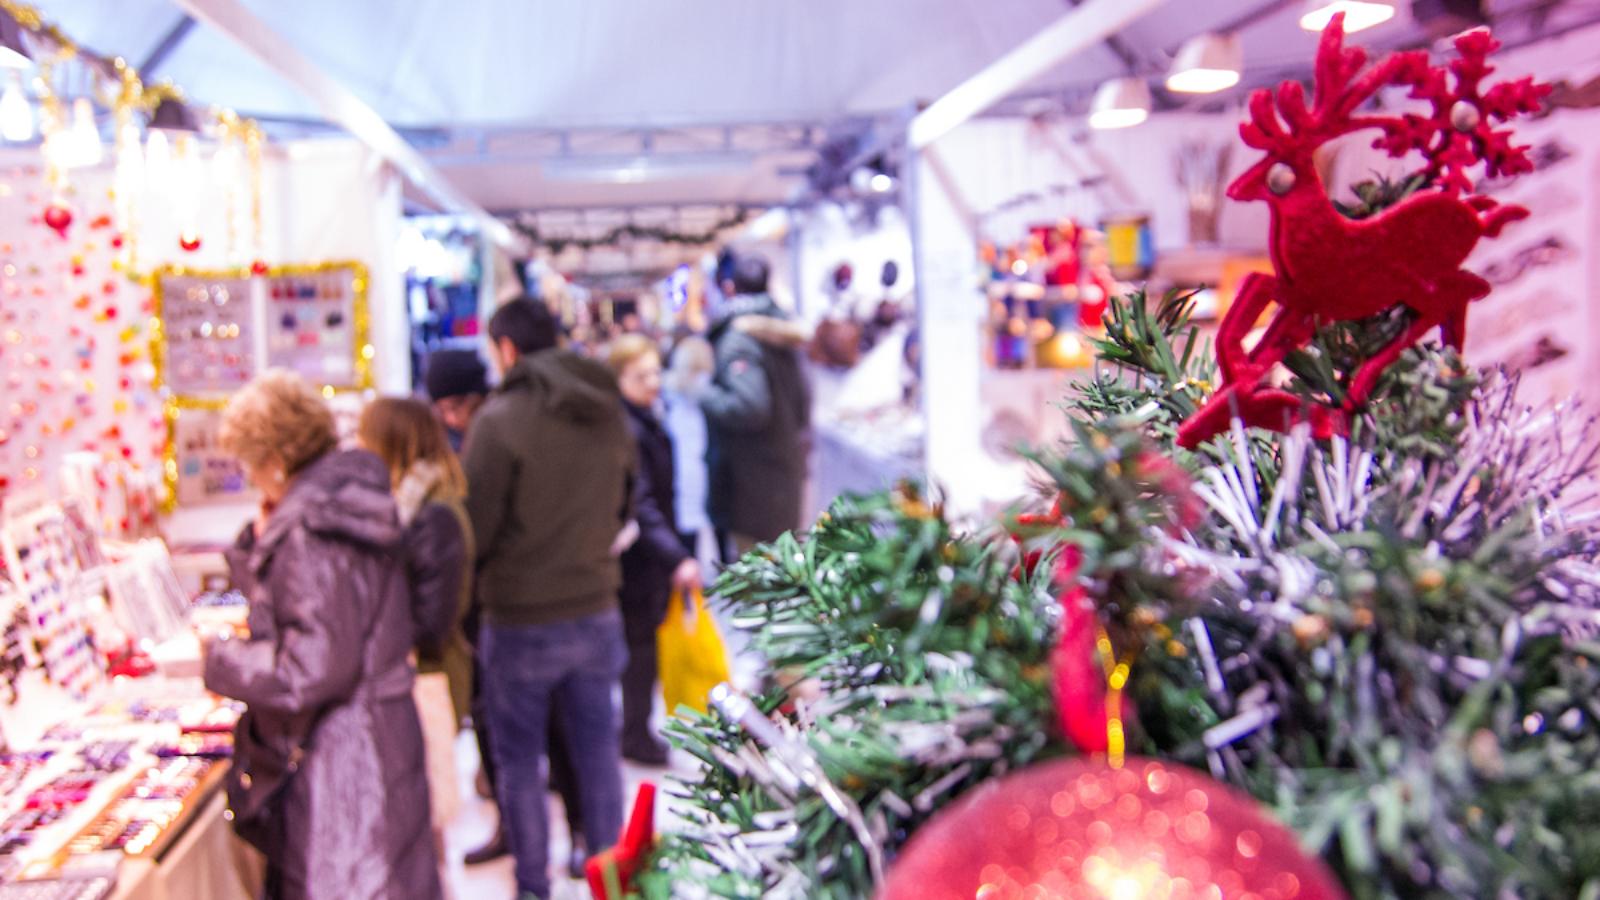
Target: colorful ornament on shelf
(58, 217)
(189, 242)
(1343, 268)
(1079, 828)
(259, 268)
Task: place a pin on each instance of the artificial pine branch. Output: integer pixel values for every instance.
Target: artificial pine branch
(1392, 640)
(925, 673)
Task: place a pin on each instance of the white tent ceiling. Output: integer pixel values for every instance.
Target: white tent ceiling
(506, 93)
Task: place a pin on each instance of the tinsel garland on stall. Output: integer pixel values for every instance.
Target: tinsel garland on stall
(1388, 634)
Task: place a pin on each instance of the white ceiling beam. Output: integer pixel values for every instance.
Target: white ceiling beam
(1081, 28)
(232, 19)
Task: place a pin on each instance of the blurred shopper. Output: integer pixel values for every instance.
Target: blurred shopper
(547, 462)
(758, 412)
(429, 491)
(657, 562)
(328, 778)
(457, 382)
(687, 376)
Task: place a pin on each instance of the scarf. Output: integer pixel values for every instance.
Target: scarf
(415, 487)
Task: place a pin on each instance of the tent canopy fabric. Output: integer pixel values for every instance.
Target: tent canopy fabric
(476, 83)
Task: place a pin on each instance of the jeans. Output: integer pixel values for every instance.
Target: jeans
(526, 669)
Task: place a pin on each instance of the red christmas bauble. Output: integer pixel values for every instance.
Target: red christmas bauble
(116, 242)
(259, 267)
(58, 217)
(1081, 829)
(189, 242)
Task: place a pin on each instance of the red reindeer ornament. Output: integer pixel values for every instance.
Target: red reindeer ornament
(1329, 267)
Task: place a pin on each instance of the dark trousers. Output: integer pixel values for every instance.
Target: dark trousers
(562, 778)
(639, 683)
(480, 720)
(529, 670)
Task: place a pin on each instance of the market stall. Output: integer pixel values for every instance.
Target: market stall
(145, 279)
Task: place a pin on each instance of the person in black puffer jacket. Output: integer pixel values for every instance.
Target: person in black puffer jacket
(328, 775)
(658, 561)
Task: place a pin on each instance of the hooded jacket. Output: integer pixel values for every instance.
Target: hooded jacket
(758, 417)
(547, 463)
(328, 775)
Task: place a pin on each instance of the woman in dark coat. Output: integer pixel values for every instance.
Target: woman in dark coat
(329, 778)
(428, 491)
(658, 561)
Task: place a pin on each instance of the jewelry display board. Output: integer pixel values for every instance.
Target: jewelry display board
(50, 602)
(205, 340)
(198, 472)
(216, 329)
(317, 324)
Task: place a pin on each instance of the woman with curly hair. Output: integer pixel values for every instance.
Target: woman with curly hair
(328, 777)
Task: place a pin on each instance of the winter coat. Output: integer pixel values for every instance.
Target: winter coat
(329, 750)
(758, 416)
(547, 462)
(647, 565)
(439, 555)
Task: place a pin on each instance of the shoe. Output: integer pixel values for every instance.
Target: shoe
(489, 852)
(653, 754)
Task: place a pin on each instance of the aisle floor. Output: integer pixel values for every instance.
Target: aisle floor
(494, 881)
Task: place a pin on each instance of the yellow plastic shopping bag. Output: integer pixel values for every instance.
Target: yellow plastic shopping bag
(690, 653)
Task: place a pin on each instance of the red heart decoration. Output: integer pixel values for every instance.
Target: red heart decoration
(59, 218)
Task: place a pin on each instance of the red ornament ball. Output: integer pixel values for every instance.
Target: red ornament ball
(189, 242)
(259, 268)
(58, 217)
(116, 242)
(1081, 829)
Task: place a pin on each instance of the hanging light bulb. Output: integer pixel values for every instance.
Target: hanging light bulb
(130, 151)
(86, 149)
(225, 164)
(129, 177)
(16, 113)
(187, 177)
(157, 159)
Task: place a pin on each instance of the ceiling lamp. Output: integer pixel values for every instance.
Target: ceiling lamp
(1358, 14)
(1207, 63)
(13, 47)
(172, 114)
(1120, 103)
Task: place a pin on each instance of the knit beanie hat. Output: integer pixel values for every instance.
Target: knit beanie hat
(455, 373)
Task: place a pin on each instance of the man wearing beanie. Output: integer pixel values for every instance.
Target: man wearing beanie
(457, 382)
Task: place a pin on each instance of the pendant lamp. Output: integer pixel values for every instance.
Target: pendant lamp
(1120, 103)
(1207, 63)
(1358, 14)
